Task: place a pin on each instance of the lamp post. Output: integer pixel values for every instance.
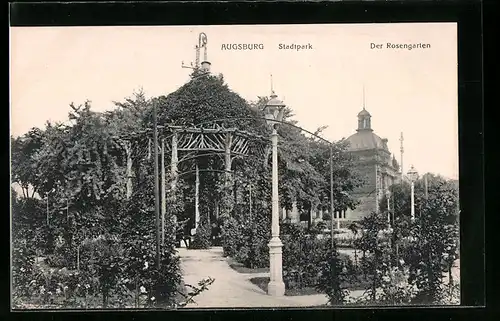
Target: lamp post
(412, 175)
(274, 114)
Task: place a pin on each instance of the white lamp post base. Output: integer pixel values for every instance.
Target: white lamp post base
(276, 287)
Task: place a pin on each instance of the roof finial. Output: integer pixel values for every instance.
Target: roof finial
(202, 43)
(205, 64)
(364, 97)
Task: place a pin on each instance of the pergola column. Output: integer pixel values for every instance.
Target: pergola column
(173, 179)
(227, 159)
(173, 164)
(197, 199)
(227, 175)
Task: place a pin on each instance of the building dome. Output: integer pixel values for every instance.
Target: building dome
(365, 140)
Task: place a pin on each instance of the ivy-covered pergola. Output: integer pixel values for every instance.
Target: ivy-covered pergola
(185, 143)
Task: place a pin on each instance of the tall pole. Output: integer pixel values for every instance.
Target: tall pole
(163, 193)
(412, 200)
(276, 287)
(227, 179)
(331, 194)
(156, 191)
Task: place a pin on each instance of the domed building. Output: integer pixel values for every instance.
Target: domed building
(376, 165)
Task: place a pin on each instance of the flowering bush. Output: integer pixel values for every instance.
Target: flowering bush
(375, 244)
(395, 288)
(246, 240)
(257, 235)
(311, 262)
(138, 276)
(301, 253)
(23, 260)
(231, 232)
(332, 271)
(103, 261)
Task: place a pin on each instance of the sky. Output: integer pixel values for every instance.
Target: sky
(410, 91)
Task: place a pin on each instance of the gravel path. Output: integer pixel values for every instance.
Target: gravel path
(230, 288)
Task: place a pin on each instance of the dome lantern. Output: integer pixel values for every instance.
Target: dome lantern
(364, 120)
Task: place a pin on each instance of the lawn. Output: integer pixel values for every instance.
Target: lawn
(262, 282)
(241, 268)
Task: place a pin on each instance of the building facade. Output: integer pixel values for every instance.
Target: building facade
(374, 163)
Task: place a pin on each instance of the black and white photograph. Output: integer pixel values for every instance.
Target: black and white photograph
(234, 166)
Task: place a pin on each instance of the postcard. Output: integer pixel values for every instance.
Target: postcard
(234, 166)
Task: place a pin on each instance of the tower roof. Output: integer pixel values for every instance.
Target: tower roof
(363, 113)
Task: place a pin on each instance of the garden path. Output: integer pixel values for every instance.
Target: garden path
(230, 288)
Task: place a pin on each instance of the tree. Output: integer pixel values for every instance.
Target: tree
(23, 165)
(82, 167)
(436, 240)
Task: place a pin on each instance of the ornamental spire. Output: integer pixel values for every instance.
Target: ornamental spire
(364, 117)
(364, 97)
(205, 64)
